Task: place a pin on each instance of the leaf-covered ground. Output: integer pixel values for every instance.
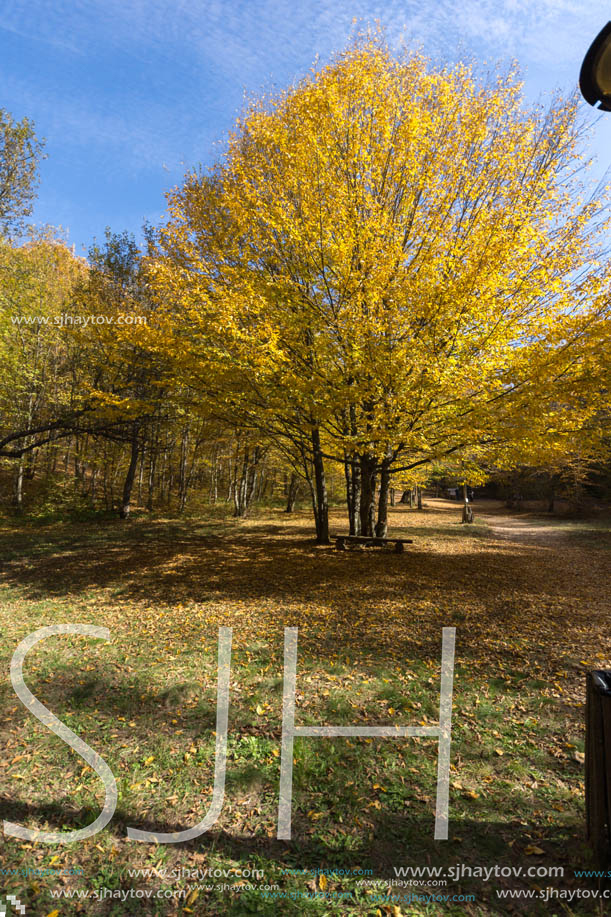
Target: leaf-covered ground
(531, 608)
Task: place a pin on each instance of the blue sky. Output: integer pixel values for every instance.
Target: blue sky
(131, 93)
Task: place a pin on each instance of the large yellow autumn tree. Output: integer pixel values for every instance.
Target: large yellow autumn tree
(391, 264)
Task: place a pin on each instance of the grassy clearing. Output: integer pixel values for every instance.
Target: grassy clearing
(531, 619)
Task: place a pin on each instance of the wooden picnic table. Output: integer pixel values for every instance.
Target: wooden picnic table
(371, 541)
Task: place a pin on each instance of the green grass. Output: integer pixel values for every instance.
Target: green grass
(369, 653)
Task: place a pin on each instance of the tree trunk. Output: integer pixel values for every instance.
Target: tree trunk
(320, 503)
(125, 507)
(244, 487)
(21, 467)
(239, 485)
(254, 474)
(262, 481)
(107, 502)
(30, 469)
(467, 512)
(182, 477)
(382, 523)
(152, 469)
(419, 494)
(78, 465)
(67, 455)
(140, 477)
(352, 471)
(551, 501)
(291, 492)
(18, 486)
(51, 455)
(214, 475)
(368, 490)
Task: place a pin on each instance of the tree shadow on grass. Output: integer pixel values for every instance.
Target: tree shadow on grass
(392, 841)
(372, 603)
(396, 838)
(253, 565)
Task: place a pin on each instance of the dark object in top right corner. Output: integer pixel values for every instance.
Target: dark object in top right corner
(595, 74)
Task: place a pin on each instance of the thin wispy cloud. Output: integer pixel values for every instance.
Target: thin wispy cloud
(135, 88)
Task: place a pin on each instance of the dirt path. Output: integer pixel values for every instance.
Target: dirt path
(523, 527)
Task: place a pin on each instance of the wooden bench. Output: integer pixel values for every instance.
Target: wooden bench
(369, 541)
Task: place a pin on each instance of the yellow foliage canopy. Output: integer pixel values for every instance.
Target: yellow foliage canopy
(397, 255)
